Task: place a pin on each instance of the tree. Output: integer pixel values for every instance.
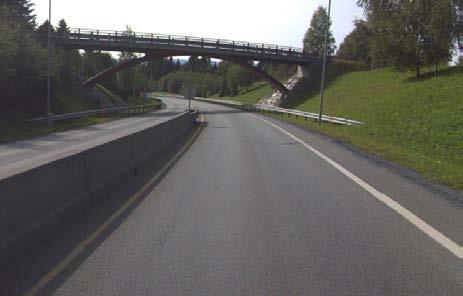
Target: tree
(22, 65)
(42, 33)
(223, 89)
(356, 45)
(204, 64)
(62, 27)
(440, 34)
(193, 64)
(245, 77)
(411, 34)
(69, 58)
(314, 38)
(22, 11)
(127, 76)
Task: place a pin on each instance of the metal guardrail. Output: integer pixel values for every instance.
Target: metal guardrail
(282, 111)
(128, 110)
(180, 41)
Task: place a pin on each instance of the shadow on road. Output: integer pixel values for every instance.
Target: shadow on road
(28, 271)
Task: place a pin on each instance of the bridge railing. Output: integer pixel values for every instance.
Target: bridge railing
(180, 41)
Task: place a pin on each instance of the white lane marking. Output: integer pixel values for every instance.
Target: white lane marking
(437, 236)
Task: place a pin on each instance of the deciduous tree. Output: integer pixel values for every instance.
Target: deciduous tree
(314, 38)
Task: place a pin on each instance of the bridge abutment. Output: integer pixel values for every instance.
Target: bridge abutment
(303, 71)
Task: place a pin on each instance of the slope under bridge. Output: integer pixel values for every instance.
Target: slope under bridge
(157, 46)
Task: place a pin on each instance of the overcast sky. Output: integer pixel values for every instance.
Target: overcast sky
(281, 22)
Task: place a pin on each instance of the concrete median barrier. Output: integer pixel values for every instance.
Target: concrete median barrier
(34, 203)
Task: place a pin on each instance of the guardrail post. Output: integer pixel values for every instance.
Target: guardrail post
(276, 49)
(233, 45)
(263, 48)
(134, 37)
(186, 41)
(202, 42)
(168, 40)
(97, 34)
(78, 33)
(218, 41)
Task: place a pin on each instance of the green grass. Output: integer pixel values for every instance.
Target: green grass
(257, 91)
(117, 100)
(19, 130)
(415, 123)
(67, 100)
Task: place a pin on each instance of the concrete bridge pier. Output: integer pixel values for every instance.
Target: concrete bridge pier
(303, 71)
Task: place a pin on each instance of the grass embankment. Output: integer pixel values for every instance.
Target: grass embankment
(13, 131)
(67, 100)
(417, 123)
(251, 96)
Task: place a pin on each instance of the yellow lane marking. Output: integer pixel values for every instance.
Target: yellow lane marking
(55, 271)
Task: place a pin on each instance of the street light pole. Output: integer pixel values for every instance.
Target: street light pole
(49, 115)
(325, 54)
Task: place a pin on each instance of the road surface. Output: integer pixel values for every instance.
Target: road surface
(23, 155)
(249, 210)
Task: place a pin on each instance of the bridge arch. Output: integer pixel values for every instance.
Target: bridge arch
(130, 63)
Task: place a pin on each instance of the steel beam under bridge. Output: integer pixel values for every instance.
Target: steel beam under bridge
(129, 63)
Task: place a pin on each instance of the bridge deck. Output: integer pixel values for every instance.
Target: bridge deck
(173, 45)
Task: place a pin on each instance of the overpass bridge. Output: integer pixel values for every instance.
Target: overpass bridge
(156, 46)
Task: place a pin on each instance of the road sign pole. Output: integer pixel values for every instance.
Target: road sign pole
(325, 54)
(49, 116)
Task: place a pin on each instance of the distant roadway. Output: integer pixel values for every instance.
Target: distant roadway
(21, 155)
(255, 207)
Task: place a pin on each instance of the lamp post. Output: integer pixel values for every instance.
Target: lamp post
(49, 115)
(325, 53)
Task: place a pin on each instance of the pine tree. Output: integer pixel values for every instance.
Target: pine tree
(314, 38)
(62, 27)
(42, 33)
(193, 64)
(22, 10)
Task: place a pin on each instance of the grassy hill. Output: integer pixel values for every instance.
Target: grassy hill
(252, 95)
(67, 99)
(417, 123)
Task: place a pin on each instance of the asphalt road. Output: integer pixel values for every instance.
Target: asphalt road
(248, 210)
(23, 155)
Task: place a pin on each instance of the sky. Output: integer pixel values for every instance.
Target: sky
(281, 22)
